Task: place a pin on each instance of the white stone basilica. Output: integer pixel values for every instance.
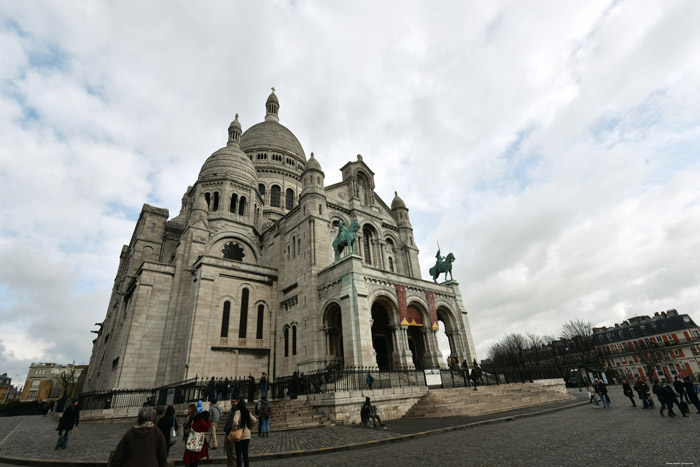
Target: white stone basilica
(244, 279)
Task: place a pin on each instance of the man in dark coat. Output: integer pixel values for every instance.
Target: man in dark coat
(680, 389)
(627, 391)
(143, 445)
(602, 391)
(642, 390)
(692, 394)
(69, 419)
(670, 398)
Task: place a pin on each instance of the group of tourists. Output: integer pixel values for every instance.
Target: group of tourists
(680, 394)
(149, 442)
(223, 388)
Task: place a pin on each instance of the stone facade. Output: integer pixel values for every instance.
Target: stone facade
(244, 279)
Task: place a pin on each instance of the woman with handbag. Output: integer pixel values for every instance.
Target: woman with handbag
(196, 445)
(243, 420)
(168, 426)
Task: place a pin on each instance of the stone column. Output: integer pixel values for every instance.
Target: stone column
(356, 314)
(432, 358)
(401, 356)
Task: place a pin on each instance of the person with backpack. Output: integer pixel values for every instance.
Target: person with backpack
(265, 413)
(475, 375)
(263, 386)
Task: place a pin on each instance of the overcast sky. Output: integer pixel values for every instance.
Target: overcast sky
(553, 147)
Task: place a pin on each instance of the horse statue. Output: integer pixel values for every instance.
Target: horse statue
(345, 238)
(442, 266)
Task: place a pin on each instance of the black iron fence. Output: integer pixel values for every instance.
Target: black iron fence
(329, 380)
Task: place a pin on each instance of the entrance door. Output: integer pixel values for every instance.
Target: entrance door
(381, 336)
(416, 345)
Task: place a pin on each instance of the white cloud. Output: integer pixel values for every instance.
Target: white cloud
(551, 146)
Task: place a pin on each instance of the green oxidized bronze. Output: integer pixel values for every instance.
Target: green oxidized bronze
(442, 265)
(345, 238)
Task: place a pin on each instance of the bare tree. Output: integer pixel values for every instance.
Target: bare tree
(66, 379)
(576, 328)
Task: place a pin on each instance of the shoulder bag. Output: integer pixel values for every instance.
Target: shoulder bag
(195, 441)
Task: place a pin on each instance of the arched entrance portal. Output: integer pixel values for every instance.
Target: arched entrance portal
(416, 337)
(447, 336)
(382, 335)
(334, 333)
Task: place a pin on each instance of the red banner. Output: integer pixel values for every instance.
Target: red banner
(401, 292)
(432, 309)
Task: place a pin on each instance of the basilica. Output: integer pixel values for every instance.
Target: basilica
(267, 268)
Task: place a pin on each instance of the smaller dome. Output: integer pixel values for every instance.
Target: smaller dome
(230, 161)
(312, 164)
(397, 203)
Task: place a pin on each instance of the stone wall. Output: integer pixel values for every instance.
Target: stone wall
(343, 407)
(555, 384)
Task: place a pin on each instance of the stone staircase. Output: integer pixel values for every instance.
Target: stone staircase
(488, 399)
(288, 414)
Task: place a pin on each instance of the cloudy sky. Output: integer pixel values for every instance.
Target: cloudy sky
(554, 147)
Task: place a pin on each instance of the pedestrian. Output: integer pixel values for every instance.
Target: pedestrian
(265, 414)
(294, 387)
(243, 419)
(680, 389)
(602, 390)
(251, 388)
(227, 389)
(143, 445)
(627, 391)
(591, 395)
(197, 437)
(369, 380)
(214, 417)
(475, 375)
(220, 388)
(229, 446)
(165, 424)
(191, 412)
(665, 397)
(671, 399)
(211, 389)
(263, 385)
(642, 390)
(69, 420)
(691, 392)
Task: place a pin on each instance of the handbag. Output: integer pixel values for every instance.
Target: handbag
(195, 441)
(235, 435)
(173, 434)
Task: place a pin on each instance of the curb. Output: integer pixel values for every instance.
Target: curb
(308, 452)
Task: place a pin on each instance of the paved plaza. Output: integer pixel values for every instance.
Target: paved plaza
(578, 435)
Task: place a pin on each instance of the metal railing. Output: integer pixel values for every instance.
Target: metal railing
(329, 380)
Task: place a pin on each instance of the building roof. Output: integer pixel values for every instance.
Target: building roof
(271, 136)
(660, 323)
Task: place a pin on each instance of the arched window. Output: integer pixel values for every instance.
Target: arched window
(294, 247)
(261, 317)
(289, 199)
(244, 315)
(275, 196)
(286, 341)
(391, 264)
(216, 201)
(207, 197)
(294, 340)
(366, 246)
(234, 201)
(261, 190)
(241, 206)
(224, 319)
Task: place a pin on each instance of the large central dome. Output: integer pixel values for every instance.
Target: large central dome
(270, 135)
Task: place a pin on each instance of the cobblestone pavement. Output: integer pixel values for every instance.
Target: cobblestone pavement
(581, 436)
(618, 436)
